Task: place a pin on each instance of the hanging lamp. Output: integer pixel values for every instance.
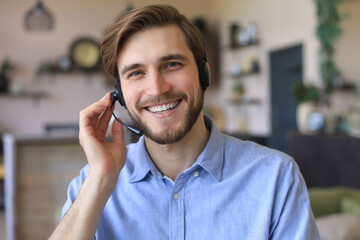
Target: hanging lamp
(38, 18)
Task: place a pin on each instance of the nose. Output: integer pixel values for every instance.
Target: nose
(157, 84)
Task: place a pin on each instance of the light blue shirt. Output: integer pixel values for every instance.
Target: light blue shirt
(235, 190)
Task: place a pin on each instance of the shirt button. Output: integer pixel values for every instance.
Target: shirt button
(176, 196)
(196, 174)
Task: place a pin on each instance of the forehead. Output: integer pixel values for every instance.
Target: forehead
(153, 42)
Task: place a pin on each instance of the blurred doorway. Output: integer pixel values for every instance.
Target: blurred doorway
(286, 66)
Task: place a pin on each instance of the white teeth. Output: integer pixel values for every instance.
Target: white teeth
(163, 107)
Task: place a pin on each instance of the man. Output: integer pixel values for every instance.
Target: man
(183, 179)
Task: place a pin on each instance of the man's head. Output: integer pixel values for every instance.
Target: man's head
(138, 20)
(154, 52)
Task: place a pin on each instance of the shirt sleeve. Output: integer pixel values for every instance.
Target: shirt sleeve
(74, 189)
(292, 216)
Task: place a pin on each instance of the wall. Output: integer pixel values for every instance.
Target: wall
(68, 93)
(281, 23)
(347, 58)
(348, 49)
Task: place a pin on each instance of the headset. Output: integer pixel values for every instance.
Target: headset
(204, 77)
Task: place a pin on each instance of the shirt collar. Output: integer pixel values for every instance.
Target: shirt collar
(143, 162)
(211, 159)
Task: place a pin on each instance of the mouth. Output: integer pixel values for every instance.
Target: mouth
(162, 108)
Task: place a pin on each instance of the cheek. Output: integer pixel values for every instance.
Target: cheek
(189, 81)
(194, 88)
(131, 95)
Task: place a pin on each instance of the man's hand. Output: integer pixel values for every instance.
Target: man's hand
(105, 159)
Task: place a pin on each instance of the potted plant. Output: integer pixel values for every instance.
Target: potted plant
(305, 92)
(307, 97)
(237, 92)
(328, 32)
(5, 70)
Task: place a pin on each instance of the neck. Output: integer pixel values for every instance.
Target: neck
(172, 159)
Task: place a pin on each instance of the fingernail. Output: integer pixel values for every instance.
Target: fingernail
(104, 97)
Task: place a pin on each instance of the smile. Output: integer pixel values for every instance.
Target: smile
(163, 107)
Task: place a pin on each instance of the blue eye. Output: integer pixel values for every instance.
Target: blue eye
(173, 64)
(134, 74)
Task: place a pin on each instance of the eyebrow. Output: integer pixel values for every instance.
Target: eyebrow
(169, 57)
(174, 57)
(130, 67)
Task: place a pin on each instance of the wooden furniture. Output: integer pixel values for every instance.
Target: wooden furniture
(327, 160)
(2, 176)
(38, 172)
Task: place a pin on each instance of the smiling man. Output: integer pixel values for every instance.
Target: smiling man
(157, 69)
(183, 179)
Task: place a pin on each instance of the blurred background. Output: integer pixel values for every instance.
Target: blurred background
(284, 74)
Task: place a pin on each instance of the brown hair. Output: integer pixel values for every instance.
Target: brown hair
(140, 19)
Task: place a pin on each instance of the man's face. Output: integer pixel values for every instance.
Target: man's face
(160, 83)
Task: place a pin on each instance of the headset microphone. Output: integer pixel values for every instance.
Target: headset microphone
(134, 130)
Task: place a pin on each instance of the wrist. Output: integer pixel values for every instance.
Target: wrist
(103, 182)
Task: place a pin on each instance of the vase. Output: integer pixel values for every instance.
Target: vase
(302, 113)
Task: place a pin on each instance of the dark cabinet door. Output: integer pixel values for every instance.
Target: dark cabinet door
(327, 160)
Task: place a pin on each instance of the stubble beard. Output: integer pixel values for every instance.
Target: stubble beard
(168, 137)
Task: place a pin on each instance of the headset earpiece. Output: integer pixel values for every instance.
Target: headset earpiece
(118, 93)
(204, 72)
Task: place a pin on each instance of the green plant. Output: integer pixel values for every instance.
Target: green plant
(6, 67)
(328, 31)
(238, 88)
(305, 92)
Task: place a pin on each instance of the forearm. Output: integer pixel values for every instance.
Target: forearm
(81, 220)
(106, 159)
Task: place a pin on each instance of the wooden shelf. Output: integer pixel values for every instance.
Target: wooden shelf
(252, 101)
(55, 71)
(35, 96)
(87, 74)
(32, 95)
(239, 47)
(243, 75)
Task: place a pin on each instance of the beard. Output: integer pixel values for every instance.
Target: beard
(190, 117)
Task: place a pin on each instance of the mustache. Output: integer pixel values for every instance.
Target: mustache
(167, 97)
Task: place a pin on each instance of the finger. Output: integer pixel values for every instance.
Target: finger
(102, 103)
(88, 117)
(103, 124)
(117, 132)
(106, 96)
(104, 118)
(95, 110)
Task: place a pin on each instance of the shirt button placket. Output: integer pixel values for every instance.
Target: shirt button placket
(176, 196)
(177, 216)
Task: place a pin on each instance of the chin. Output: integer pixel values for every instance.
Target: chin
(169, 137)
